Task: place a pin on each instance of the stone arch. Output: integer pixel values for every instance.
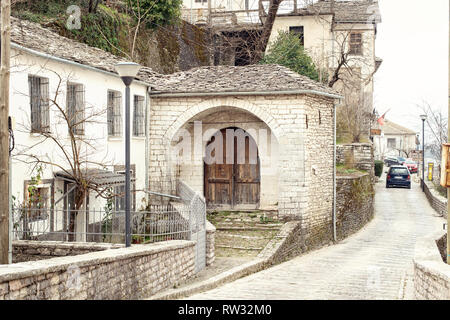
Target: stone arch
(209, 104)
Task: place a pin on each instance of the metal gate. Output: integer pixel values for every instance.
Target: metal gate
(197, 221)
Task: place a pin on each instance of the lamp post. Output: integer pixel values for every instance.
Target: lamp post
(423, 117)
(127, 71)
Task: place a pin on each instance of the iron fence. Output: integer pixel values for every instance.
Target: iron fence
(157, 223)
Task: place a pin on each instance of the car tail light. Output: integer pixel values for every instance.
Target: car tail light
(389, 177)
(409, 177)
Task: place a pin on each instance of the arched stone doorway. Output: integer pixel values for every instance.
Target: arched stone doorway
(232, 174)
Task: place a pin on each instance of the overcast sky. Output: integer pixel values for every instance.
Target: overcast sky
(413, 42)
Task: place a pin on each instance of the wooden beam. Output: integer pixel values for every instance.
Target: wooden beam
(5, 34)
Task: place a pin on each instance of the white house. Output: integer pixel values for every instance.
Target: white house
(329, 29)
(50, 72)
(394, 140)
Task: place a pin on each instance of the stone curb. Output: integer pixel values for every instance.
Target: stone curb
(225, 277)
(35, 268)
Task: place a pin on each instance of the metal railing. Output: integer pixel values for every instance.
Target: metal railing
(157, 223)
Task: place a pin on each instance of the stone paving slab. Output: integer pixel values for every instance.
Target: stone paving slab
(375, 263)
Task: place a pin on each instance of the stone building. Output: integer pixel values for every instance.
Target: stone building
(288, 117)
(281, 128)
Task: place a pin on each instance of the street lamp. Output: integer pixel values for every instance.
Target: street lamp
(423, 118)
(127, 71)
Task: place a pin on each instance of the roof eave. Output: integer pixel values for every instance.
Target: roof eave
(163, 94)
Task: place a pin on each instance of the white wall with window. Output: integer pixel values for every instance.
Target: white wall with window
(39, 86)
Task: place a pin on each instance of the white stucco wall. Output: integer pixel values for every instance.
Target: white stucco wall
(109, 151)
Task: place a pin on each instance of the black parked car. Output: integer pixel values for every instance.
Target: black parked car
(391, 161)
(398, 176)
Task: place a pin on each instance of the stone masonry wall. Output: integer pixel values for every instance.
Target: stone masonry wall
(431, 273)
(354, 204)
(210, 241)
(437, 202)
(126, 273)
(303, 126)
(319, 147)
(361, 154)
(24, 250)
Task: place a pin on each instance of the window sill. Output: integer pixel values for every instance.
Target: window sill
(139, 138)
(37, 134)
(115, 138)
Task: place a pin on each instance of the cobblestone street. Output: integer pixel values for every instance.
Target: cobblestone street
(375, 263)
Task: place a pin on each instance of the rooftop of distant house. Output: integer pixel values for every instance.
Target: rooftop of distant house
(357, 11)
(392, 128)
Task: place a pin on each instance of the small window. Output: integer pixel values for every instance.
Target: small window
(37, 202)
(114, 113)
(355, 43)
(75, 108)
(39, 103)
(119, 191)
(300, 32)
(391, 143)
(139, 117)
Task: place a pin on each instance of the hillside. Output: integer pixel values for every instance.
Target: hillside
(166, 48)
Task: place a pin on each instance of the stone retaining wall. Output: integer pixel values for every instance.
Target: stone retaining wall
(124, 273)
(438, 202)
(210, 240)
(431, 273)
(360, 154)
(24, 250)
(354, 204)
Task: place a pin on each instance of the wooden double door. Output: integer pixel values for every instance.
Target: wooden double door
(235, 183)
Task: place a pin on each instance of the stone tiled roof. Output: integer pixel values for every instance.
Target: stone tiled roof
(252, 78)
(356, 11)
(200, 80)
(33, 36)
(392, 128)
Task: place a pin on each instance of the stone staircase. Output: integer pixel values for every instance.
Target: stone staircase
(243, 234)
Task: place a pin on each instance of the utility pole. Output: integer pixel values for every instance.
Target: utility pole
(448, 134)
(5, 34)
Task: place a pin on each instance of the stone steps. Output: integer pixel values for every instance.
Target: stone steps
(243, 234)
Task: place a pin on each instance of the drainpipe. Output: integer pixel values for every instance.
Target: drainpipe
(147, 136)
(334, 171)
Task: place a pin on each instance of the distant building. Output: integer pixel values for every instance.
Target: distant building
(395, 140)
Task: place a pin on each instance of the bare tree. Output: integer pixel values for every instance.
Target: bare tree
(437, 124)
(75, 151)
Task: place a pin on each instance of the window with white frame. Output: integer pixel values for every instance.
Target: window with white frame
(114, 113)
(39, 103)
(75, 108)
(138, 117)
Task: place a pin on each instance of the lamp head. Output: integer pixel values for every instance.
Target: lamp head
(423, 117)
(127, 71)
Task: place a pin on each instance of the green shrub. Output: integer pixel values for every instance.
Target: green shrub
(379, 168)
(288, 51)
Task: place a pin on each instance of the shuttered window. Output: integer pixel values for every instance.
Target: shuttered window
(39, 103)
(356, 43)
(76, 108)
(114, 113)
(139, 117)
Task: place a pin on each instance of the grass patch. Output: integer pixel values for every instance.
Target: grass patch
(342, 169)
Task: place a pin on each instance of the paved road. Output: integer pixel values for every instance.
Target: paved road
(375, 263)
